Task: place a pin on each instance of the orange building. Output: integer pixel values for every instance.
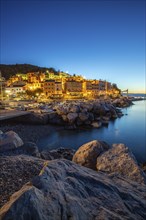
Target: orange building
(48, 87)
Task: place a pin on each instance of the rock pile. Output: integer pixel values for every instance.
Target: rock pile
(115, 160)
(93, 113)
(87, 154)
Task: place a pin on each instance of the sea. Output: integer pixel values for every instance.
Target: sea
(129, 130)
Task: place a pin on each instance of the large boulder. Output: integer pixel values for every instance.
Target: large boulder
(120, 161)
(72, 117)
(83, 116)
(9, 140)
(74, 108)
(62, 110)
(96, 124)
(87, 154)
(64, 190)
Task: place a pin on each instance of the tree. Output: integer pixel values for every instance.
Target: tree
(114, 87)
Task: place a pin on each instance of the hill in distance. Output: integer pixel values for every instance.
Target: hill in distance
(10, 70)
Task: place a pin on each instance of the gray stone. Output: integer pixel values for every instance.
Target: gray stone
(87, 154)
(64, 190)
(10, 140)
(120, 161)
(62, 110)
(72, 117)
(83, 116)
(64, 117)
(74, 109)
(96, 124)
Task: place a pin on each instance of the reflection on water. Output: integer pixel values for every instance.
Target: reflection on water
(130, 130)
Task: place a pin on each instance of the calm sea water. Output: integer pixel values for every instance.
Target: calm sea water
(129, 129)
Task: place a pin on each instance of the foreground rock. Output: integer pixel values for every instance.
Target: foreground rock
(120, 161)
(87, 154)
(9, 140)
(65, 190)
(15, 172)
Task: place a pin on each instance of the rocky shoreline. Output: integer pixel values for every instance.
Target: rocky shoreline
(54, 180)
(30, 132)
(66, 115)
(97, 181)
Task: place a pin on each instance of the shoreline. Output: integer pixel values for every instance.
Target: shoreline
(29, 133)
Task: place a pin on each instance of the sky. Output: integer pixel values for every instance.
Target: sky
(102, 39)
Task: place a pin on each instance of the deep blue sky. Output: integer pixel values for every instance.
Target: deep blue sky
(98, 39)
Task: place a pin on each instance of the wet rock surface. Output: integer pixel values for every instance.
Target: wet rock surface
(65, 190)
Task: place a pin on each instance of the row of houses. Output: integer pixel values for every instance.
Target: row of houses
(58, 85)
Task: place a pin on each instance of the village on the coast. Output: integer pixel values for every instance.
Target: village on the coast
(50, 85)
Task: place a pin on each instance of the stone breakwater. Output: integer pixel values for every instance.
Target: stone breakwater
(68, 115)
(78, 113)
(97, 181)
(93, 113)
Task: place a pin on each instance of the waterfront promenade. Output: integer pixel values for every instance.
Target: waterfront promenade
(8, 114)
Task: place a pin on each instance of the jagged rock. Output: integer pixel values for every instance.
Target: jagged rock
(9, 140)
(120, 161)
(96, 124)
(87, 154)
(122, 102)
(62, 110)
(64, 117)
(72, 117)
(58, 153)
(83, 116)
(64, 190)
(74, 109)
